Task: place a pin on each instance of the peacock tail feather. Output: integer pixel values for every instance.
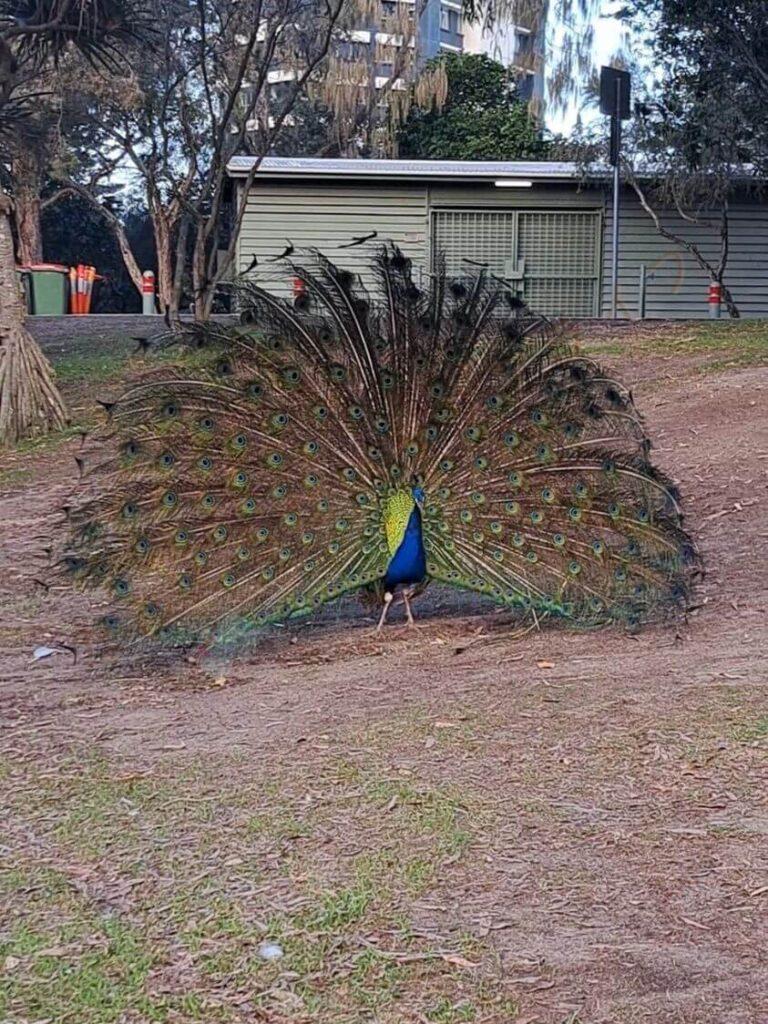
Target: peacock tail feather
(279, 477)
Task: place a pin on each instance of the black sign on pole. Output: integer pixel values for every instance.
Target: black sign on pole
(615, 92)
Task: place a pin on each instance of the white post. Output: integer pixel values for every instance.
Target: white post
(148, 293)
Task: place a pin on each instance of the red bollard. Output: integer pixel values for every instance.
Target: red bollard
(148, 293)
(715, 298)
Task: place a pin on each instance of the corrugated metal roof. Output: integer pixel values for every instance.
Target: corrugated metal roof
(310, 167)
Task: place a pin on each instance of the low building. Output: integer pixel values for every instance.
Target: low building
(537, 224)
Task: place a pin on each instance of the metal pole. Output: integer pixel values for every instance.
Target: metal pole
(616, 187)
(641, 294)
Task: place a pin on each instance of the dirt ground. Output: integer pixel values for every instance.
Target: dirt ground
(440, 825)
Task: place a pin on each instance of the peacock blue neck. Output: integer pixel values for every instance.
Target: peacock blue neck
(409, 563)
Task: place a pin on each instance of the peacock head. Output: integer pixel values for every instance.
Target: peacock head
(418, 496)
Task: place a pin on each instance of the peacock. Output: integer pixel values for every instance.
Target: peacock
(375, 440)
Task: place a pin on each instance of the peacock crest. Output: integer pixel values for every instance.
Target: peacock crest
(328, 431)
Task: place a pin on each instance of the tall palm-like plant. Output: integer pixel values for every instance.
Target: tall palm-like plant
(33, 36)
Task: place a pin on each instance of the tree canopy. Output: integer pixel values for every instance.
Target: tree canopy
(482, 117)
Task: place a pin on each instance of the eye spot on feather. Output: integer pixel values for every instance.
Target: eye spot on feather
(497, 554)
(511, 439)
(349, 474)
(481, 463)
(362, 499)
(170, 499)
(238, 443)
(208, 502)
(531, 556)
(142, 546)
(387, 380)
(201, 558)
(290, 519)
(356, 413)
(609, 466)
(477, 498)
(495, 403)
(643, 515)
(518, 540)
(185, 581)
(129, 510)
(598, 547)
(632, 549)
(205, 463)
(539, 418)
(279, 420)
(206, 424)
(170, 410)
(279, 492)
(381, 425)
(473, 434)
(515, 479)
(274, 460)
(574, 568)
(243, 553)
(574, 514)
(181, 537)
(239, 480)
(342, 525)
(131, 449)
(320, 413)
(431, 433)
(262, 533)
(374, 453)
(395, 472)
(446, 465)
(228, 580)
(310, 480)
(220, 534)
(291, 375)
(268, 572)
(477, 537)
(249, 506)
(334, 547)
(537, 517)
(581, 491)
(543, 453)
(465, 515)
(307, 537)
(254, 390)
(338, 372)
(512, 508)
(412, 449)
(284, 554)
(437, 389)
(620, 574)
(311, 448)
(496, 527)
(558, 540)
(547, 495)
(152, 610)
(122, 587)
(614, 510)
(166, 460)
(444, 493)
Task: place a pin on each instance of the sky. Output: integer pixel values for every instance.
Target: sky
(608, 37)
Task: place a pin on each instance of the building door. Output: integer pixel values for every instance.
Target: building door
(551, 257)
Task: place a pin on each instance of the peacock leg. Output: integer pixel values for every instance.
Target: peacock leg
(384, 610)
(407, 602)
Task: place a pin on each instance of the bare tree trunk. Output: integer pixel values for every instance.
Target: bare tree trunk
(164, 247)
(27, 176)
(30, 403)
(716, 272)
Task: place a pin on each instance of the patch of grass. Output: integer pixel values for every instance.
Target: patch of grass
(188, 871)
(95, 367)
(47, 442)
(14, 477)
(749, 732)
(730, 343)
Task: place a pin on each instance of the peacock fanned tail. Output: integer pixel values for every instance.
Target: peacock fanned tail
(258, 487)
